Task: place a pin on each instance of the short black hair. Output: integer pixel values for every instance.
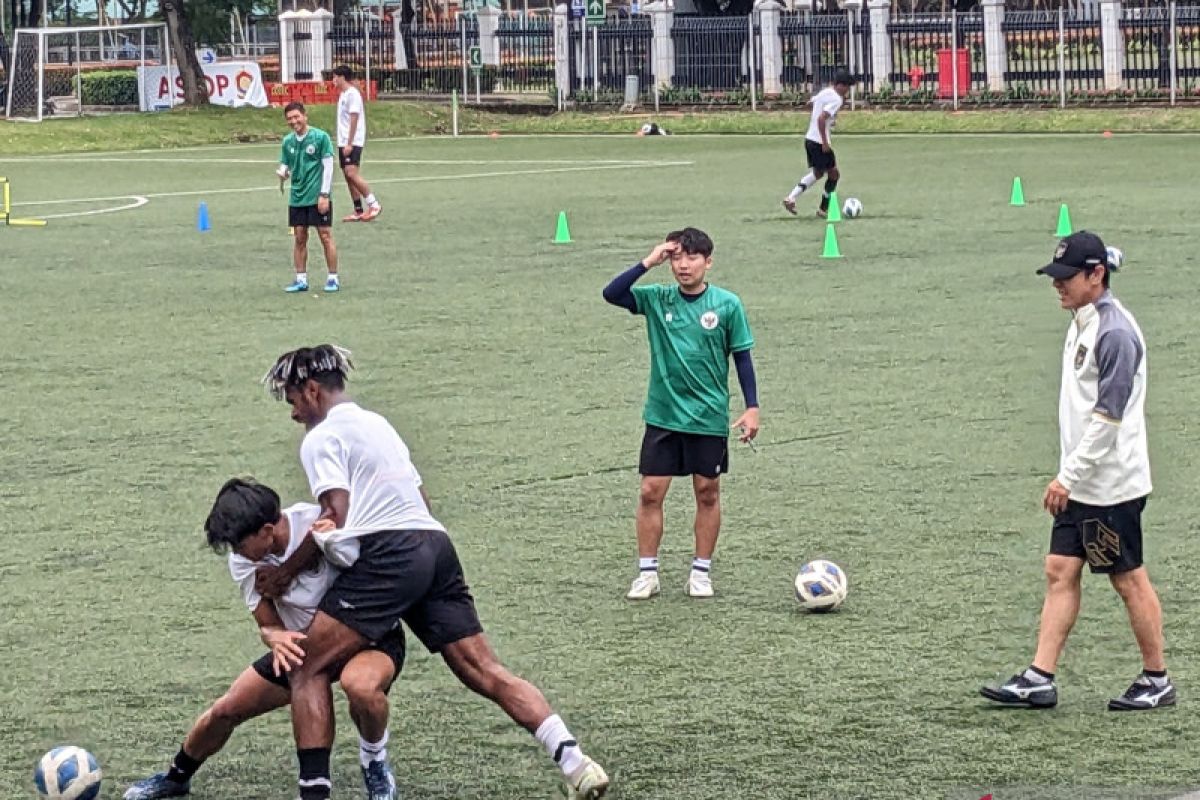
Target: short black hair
(342, 71)
(295, 105)
(843, 77)
(692, 241)
(327, 364)
(242, 508)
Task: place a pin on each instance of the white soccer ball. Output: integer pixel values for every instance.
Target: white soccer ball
(68, 773)
(821, 586)
(852, 208)
(1116, 258)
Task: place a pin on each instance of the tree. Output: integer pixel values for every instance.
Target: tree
(183, 47)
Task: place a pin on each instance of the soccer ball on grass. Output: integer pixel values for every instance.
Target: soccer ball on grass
(852, 208)
(67, 773)
(821, 586)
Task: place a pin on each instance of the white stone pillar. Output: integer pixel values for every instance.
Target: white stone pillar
(1113, 43)
(881, 43)
(286, 27)
(562, 50)
(489, 42)
(995, 47)
(663, 17)
(322, 45)
(772, 47)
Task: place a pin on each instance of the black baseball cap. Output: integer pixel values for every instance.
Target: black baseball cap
(1077, 252)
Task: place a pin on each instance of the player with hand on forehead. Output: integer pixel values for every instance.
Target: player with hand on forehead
(693, 328)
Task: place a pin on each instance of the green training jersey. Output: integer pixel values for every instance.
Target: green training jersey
(303, 157)
(690, 345)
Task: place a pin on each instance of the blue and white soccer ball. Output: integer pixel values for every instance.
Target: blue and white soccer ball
(852, 208)
(821, 586)
(1116, 258)
(68, 773)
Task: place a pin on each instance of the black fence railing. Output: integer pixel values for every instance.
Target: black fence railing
(1033, 39)
(526, 56)
(626, 47)
(711, 53)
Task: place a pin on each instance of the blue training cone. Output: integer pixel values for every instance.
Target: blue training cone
(202, 223)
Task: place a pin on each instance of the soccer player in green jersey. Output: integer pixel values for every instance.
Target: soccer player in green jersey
(307, 156)
(693, 329)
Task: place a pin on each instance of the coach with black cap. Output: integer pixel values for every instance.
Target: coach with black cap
(1102, 484)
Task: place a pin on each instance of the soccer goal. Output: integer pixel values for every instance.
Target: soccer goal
(49, 67)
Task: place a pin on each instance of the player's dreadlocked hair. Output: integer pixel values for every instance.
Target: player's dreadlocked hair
(327, 364)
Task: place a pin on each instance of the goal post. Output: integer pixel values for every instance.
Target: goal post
(49, 68)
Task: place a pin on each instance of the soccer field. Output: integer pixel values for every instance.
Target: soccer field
(909, 397)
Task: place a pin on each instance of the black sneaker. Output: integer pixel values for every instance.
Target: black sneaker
(1020, 691)
(1143, 695)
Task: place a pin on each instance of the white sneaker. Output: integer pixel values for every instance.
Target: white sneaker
(588, 783)
(699, 584)
(645, 585)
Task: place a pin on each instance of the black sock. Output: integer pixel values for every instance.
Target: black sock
(314, 773)
(183, 767)
(1154, 673)
(358, 205)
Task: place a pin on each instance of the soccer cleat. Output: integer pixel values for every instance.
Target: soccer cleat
(645, 586)
(296, 286)
(377, 777)
(157, 786)
(332, 285)
(588, 782)
(1022, 692)
(789, 205)
(1142, 695)
(372, 212)
(355, 217)
(699, 584)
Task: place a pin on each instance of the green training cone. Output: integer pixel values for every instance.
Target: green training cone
(563, 234)
(835, 208)
(831, 243)
(1018, 195)
(1064, 221)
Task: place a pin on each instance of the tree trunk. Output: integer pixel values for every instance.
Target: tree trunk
(183, 48)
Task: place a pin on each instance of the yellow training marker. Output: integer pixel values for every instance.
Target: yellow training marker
(6, 210)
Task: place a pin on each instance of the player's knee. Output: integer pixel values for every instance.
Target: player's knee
(708, 495)
(1062, 572)
(226, 713)
(1131, 584)
(652, 495)
(361, 688)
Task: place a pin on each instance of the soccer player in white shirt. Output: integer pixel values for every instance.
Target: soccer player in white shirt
(351, 139)
(246, 520)
(1102, 484)
(398, 564)
(822, 162)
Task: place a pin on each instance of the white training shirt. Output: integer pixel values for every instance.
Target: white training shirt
(298, 604)
(826, 101)
(359, 451)
(350, 102)
(1105, 459)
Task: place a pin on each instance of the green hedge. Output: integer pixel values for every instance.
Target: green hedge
(110, 88)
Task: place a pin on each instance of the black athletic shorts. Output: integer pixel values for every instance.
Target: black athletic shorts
(352, 160)
(309, 217)
(391, 645)
(667, 452)
(1109, 538)
(414, 576)
(818, 159)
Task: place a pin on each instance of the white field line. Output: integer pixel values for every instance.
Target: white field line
(415, 179)
(443, 162)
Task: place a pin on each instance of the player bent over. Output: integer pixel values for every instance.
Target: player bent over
(821, 159)
(398, 565)
(247, 520)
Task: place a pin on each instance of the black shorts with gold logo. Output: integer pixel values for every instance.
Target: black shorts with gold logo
(1109, 538)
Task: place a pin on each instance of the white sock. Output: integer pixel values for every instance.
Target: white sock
(372, 751)
(333, 276)
(801, 187)
(1157, 681)
(701, 564)
(370, 199)
(648, 565)
(560, 744)
(302, 277)
(1034, 676)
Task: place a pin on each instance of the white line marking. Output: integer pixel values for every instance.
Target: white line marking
(138, 202)
(408, 161)
(414, 179)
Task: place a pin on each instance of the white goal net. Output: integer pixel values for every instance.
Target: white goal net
(57, 71)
